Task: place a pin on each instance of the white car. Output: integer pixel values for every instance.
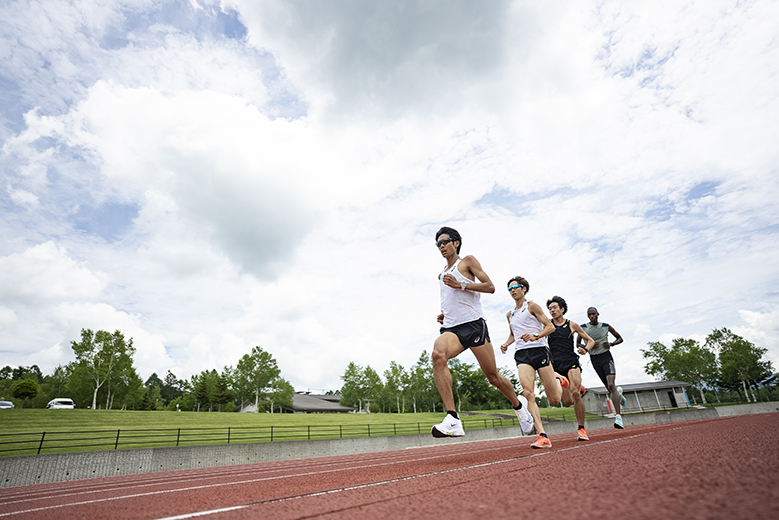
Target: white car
(61, 403)
(6, 404)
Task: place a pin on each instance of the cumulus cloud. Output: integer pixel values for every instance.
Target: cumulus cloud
(220, 175)
(45, 274)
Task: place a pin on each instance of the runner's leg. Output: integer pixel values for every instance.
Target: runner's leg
(446, 347)
(485, 355)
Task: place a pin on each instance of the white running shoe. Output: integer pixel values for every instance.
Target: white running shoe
(449, 427)
(622, 400)
(523, 414)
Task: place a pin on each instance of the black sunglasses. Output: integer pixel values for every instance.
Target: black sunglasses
(444, 241)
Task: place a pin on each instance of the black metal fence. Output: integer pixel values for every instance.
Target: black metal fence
(53, 442)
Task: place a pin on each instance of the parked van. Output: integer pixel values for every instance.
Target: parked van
(61, 403)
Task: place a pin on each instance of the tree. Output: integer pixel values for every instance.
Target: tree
(281, 393)
(393, 387)
(373, 386)
(421, 385)
(172, 388)
(223, 393)
(741, 360)
(685, 360)
(255, 375)
(31, 372)
(25, 389)
(99, 354)
(353, 389)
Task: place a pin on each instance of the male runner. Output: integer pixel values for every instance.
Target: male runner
(528, 323)
(602, 360)
(564, 359)
(463, 327)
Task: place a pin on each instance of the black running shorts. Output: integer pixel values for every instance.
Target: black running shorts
(536, 357)
(604, 366)
(470, 334)
(565, 365)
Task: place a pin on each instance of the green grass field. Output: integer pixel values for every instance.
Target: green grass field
(81, 430)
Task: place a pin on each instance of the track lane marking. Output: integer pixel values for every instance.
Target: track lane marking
(311, 473)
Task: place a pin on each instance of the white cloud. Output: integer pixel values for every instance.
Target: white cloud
(45, 274)
(617, 155)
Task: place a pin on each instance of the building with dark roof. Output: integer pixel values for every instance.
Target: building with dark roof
(640, 397)
(303, 402)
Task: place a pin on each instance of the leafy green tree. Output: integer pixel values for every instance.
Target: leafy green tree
(353, 391)
(421, 385)
(223, 394)
(6, 372)
(685, 360)
(25, 389)
(373, 387)
(79, 387)
(31, 372)
(100, 354)
(393, 387)
(154, 380)
(255, 375)
(281, 394)
(740, 360)
(172, 387)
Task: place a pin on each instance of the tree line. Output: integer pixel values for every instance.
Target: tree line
(413, 390)
(726, 367)
(103, 376)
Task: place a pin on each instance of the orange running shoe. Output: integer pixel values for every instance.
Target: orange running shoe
(583, 434)
(582, 390)
(542, 442)
(563, 380)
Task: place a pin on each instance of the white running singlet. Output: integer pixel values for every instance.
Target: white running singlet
(522, 321)
(457, 305)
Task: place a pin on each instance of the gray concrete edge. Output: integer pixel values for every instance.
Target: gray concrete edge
(56, 467)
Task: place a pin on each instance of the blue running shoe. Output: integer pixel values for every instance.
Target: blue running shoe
(618, 422)
(622, 400)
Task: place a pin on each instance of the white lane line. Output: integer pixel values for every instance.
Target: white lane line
(193, 475)
(232, 483)
(394, 480)
(250, 481)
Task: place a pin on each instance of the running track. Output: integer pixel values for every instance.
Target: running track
(722, 468)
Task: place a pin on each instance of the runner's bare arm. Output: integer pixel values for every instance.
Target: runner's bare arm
(582, 336)
(617, 338)
(538, 312)
(509, 341)
(470, 268)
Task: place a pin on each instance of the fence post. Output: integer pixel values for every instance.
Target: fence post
(394, 429)
(116, 445)
(178, 436)
(40, 446)
(271, 433)
(341, 431)
(228, 435)
(309, 432)
(369, 430)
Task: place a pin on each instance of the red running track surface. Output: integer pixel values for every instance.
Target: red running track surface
(722, 468)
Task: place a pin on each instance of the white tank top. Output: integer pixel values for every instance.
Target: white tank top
(457, 305)
(522, 321)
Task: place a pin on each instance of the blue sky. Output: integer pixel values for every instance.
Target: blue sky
(211, 176)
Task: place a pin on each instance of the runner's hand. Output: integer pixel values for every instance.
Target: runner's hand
(451, 281)
(440, 319)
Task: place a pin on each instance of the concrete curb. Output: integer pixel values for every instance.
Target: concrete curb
(56, 467)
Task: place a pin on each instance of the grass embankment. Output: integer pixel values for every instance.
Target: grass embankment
(82, 430)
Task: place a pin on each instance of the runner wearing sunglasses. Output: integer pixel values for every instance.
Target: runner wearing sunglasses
(528, 330)
(463, 327)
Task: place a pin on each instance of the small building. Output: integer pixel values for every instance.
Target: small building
(303, 402)
(640, 397)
